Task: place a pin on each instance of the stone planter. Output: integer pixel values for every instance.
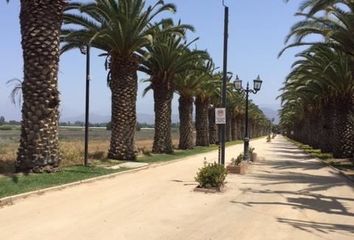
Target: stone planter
(237, 169)
(253, 157)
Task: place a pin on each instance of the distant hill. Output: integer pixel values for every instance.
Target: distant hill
(150, 118)
(96, 118)
(271, 113)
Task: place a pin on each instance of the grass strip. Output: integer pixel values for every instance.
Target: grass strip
(316, 153)
(341, 164)
(177, 154)
(17, 184)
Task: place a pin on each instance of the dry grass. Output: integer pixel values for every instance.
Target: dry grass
(72, 146)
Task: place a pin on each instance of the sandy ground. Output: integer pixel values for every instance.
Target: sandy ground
(285, 196)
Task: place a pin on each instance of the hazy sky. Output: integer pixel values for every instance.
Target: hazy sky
(257, 31)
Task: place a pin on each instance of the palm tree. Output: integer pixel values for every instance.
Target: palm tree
(322, 81)
(236, 103)
(321, 84)
(208, 88)
(121, 29)
(336, 26)
(40, 22)
(168, 57)
(186, 86)
(16, 93)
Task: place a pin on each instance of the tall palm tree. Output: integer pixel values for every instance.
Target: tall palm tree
(208, 88)
(167, 57)
(186, 86)
(121, 29)
(40, 22)
(336, 26)
(235, 105)
(321, 83)
(323, 79)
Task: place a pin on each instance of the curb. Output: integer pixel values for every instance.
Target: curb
(10, 200)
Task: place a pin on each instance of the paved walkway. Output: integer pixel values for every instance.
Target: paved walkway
(285, 196)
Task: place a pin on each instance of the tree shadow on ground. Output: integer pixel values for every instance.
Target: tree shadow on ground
(313, 182)
(294, 156)
(308, 164)
(304, 200)
(313, 227)
(307, 201)
(185, 183)
(290, 152)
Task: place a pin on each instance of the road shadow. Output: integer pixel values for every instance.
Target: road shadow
(308, 164)
(303, 200)
(311, 182)
(318, 227)
(185, 183)
(284, 151)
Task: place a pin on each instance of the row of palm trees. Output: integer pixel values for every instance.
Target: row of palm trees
(131, 39)
(318, 94)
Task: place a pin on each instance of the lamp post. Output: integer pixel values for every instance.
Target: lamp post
(86, 51)
(257, 84)
(222, 127)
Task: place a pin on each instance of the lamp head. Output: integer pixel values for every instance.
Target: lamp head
(238, 83)
(83, 49)
(257, 84)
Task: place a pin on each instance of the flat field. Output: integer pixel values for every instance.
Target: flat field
(72, 145)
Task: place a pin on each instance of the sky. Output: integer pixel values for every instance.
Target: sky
(257, 30)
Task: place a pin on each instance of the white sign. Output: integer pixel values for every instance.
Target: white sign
(220, 116)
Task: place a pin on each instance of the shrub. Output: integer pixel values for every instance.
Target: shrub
(211, 175)
(98, 155)
(322, 156)
(5, 128)
(238, 160)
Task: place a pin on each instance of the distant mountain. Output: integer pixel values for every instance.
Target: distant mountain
(271, 113)
(150, 118)
(96, 118)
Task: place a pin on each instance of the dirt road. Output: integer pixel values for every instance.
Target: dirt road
(285, 196)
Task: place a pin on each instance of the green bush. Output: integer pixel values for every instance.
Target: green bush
(5, 128)
(238, 160)
(316, 151)
(98, 155)
(211, 175)
(322, 156)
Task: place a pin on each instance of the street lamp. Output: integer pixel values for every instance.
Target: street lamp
(222, 127)
(86, 51)
(257, 84)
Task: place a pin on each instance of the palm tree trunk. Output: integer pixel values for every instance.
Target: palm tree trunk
(239, 128)
(327, 124)
(228, 125)
(233, 128)
(186, 122)
(343, 130)
(202, 122)
(40, 31)
(212, 126)
(163, 95)
(124, 91)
